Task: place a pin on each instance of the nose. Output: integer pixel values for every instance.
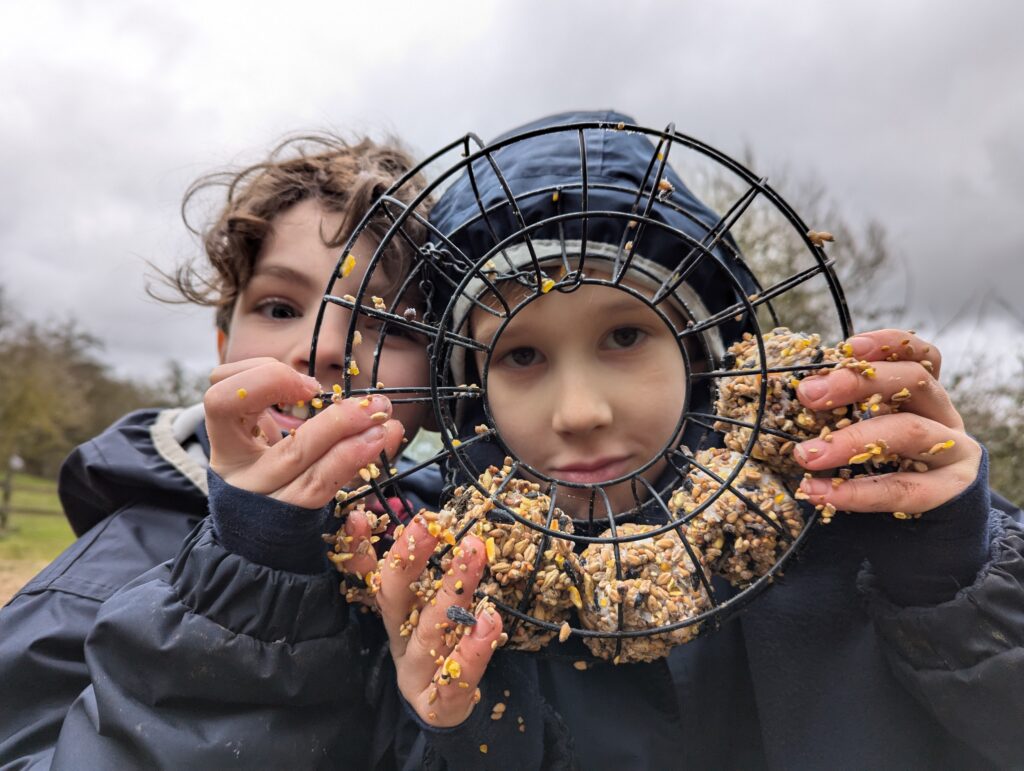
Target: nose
(330, 345)
(581, 404)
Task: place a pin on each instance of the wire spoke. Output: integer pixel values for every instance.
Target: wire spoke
(694, 559)
(818, 365)
(364, 493)
(696, 417)
(410, 324)
(661, 153)
(431, 253)
(514, 206)
(584, 200)
(737, 492)
(761, 298)
(705, 245)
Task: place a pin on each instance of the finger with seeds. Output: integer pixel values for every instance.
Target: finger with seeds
(895, 345)
(324, 453)
(441, 648)
(900, 385)
(888, 439)
(903, 492)
(355, 540)
(239, 401)
(438, 629)
(453, 692)
(400, 571)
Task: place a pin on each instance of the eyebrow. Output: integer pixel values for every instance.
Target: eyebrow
(285, 273)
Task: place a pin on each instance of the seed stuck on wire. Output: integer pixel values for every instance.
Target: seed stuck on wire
(347, 265)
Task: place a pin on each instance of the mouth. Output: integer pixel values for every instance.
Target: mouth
(592, 471)
(291, 416)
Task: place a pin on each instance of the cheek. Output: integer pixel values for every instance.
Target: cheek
(519, 414)
(407, 366)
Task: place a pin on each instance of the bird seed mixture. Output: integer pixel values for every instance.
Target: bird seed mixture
(657, 585)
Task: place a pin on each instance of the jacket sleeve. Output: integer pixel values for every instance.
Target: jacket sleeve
(214, 661)
(42, 671)
(528, 734)
(963, 658)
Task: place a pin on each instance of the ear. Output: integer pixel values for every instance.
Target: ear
(222, 344)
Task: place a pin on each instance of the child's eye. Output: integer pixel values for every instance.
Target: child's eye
(521, 357)
(625, 337)
(275, 308)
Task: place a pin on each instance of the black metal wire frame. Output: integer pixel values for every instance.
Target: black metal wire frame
(449, 333)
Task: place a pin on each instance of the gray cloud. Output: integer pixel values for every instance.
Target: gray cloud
(899, 108)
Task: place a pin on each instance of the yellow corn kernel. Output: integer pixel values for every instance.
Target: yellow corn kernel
(574, 595)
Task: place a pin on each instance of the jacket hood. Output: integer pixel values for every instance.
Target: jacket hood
(618, 168)
(542, 170)
(142, 458)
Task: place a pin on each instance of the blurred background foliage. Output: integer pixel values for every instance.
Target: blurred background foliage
(58, 389)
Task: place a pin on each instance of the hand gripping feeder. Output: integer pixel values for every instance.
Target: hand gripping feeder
(566, 203)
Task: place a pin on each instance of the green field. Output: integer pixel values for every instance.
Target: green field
(31, 540)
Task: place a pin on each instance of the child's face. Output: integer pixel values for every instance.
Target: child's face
(585, 387)
(276, 311)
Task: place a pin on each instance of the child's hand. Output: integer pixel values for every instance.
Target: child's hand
(926, 419)
(422, 659)
(307, 468)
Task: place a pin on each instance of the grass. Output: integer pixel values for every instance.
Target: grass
(35, 537)
(35, 493)
(32, 540)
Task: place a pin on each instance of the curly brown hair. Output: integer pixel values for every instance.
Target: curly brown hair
(342, 176)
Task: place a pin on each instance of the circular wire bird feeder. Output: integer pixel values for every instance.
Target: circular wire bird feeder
(550, 236)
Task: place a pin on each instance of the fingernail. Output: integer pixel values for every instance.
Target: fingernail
(313, 383)
(861, 345)
(816, 486)
(813, 388)
(484, 626)
(374, 434)
(379, 403)
(809, 450)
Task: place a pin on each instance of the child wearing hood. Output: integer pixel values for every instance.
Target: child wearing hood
(893, 642)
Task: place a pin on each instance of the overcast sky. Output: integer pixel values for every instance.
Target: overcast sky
(911, 113)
